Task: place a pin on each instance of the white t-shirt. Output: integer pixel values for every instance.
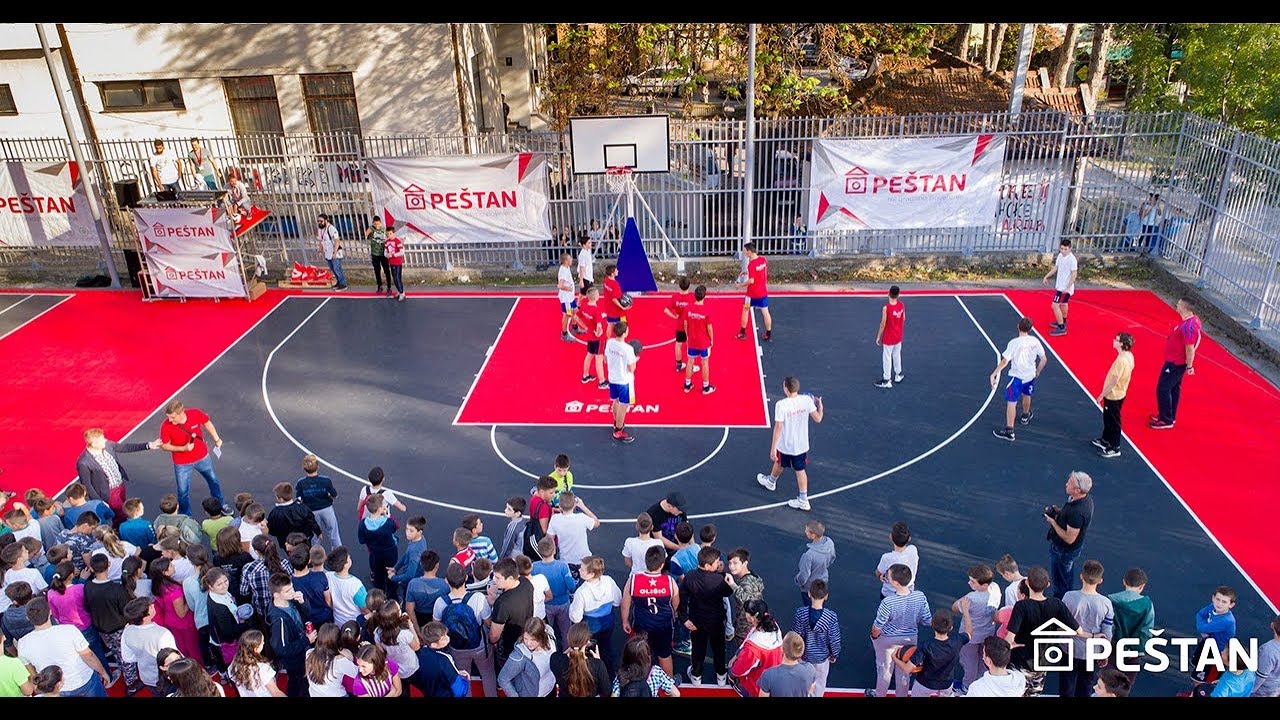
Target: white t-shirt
(248, 532)
(343, 592)
(265, 674)
(909, 557)
(793, 413)
(542, 661)
(1066, 264)
(586, 265)
(31, 576)
(635, 548)
(479, 604)
(32, 530)
(1014, 684)
(540, 588)
(564, 276)
(140, 643)
(328, 236)
(182, 569)
(58, 645)
(406, 659)
(116, 565)
(570, 530)
(167, 166)
(1023, 352)
(1010, 594)
(619, 355)
(387, 495)
(332, 687)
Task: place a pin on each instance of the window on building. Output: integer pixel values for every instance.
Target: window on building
(331, 103)
(7, 107)
(254, 107)
(141, 95)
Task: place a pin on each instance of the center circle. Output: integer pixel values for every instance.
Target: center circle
(493, 441)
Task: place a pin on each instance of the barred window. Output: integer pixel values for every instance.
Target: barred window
(141, 95)
(331, 103)
(254, 106)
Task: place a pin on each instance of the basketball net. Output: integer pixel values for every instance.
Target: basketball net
(618, 178)
(621, 183)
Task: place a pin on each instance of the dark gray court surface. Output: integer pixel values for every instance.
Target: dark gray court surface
(17, 309)
(365, 382)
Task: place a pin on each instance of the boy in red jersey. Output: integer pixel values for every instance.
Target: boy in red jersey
(757, 282)
(680, 301)
(609, 297)
(889, 335)
(590, 316)
(701, 335)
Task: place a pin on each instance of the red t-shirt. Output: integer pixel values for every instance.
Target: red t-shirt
(538, 509)
(698, 326)
(758, 274)
(610, 292)
(188, 431)
(1184, 333)
(894, 314)
(465, 557)
(394, 250)
(679, 302)
(591, 318)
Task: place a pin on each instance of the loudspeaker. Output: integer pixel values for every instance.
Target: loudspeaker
(133, 265)
(127, 193)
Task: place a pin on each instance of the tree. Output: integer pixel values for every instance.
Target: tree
(993, 47)
(1065, 56)
(1098, 56)
(1231, 71)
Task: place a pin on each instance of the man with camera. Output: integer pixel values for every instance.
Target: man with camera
(1067, 527)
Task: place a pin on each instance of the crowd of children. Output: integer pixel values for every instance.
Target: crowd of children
(252, 604)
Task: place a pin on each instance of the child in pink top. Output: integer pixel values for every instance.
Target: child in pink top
(171, 608)
(66, 605)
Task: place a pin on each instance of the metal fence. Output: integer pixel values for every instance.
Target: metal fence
(1064, 177)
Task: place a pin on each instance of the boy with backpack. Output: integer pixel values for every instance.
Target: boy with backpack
(462, 612)
(376, 478)
(377, 531)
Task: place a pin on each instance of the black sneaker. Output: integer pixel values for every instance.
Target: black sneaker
(588, 378)
(1003, 434)
(688, 386)
(565, 337)
(741, 336)
(379, 290)
(1109, 452)
(1097, 442)
(679, 366)
(708, 389)
(1026, 418)
(603, 385)
(768, 335)
(1058, 331)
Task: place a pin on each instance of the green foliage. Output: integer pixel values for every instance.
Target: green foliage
(1148, 69)
(1232, 71)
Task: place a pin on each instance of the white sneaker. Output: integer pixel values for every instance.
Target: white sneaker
(899, 378)
(695, 679)
(767, 482)
(722, 680)
(798, 503)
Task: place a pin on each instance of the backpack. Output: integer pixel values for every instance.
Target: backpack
(460, 619)
(533, 531)
(636, 688)
(364, 500)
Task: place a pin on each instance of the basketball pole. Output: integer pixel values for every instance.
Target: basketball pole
(748, 180)
(627, 189)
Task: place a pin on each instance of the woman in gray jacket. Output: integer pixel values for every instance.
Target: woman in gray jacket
(527, 673)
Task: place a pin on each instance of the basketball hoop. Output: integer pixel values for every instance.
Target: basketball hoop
(617, 178)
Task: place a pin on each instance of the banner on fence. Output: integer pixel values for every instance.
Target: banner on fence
(44, 204)
(465, 199)
(895, 183)
(189, 252)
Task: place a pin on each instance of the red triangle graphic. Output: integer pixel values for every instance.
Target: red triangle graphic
(525, 158)
(823, 204)
(75, 175)
(981, 147)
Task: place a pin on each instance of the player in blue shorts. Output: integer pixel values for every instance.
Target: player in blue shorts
(567, 294)
(757, 282)
(1026, 359)
(621, 359)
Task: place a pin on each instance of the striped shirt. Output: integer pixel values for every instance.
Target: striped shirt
(821, 632)
(903, 614)
(483, 547)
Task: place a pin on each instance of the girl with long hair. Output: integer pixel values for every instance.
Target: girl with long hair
(198, 600)
(637, 673)
(760, 651)
(134, 578)
(327, 666)
(228, 555)
(165, 659)
(578, 670)
(66, 605)
(252, 674)
(225, 625)
(115, 549)
(191, 680)
(376, 676)
(394, 631)
(172, 610)
(527, 672)
(349, 639)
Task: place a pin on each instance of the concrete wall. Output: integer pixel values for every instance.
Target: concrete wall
(403, 74)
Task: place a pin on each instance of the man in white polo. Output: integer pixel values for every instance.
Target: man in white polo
(790, 446)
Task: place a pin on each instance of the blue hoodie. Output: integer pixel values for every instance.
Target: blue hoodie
(378, 533)
(1219, 628)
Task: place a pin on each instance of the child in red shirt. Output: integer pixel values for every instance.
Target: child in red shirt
(394, 250)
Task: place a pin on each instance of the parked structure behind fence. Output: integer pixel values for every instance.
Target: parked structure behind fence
(1064, 177)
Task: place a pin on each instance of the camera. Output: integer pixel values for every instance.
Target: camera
(1051, 510)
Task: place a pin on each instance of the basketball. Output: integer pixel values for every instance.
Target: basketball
(625, 301)
(636, 345)
(905, 654)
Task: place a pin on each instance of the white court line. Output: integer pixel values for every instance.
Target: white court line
(1140, 454)
(488, 354)
(24, 299)
(596, 425)
(493, 440)
(266, 399)
(885, 473)
(755, 336)
(36, 316)
(184, 385)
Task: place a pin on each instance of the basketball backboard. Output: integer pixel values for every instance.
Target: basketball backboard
(640, 142)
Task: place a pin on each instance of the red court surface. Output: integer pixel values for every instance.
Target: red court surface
(507, 393)
(1223, 457)
(102, 359)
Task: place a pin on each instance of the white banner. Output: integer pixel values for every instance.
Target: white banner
(469, 198)
(905, 183)
(44, 204)
(189, 252)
